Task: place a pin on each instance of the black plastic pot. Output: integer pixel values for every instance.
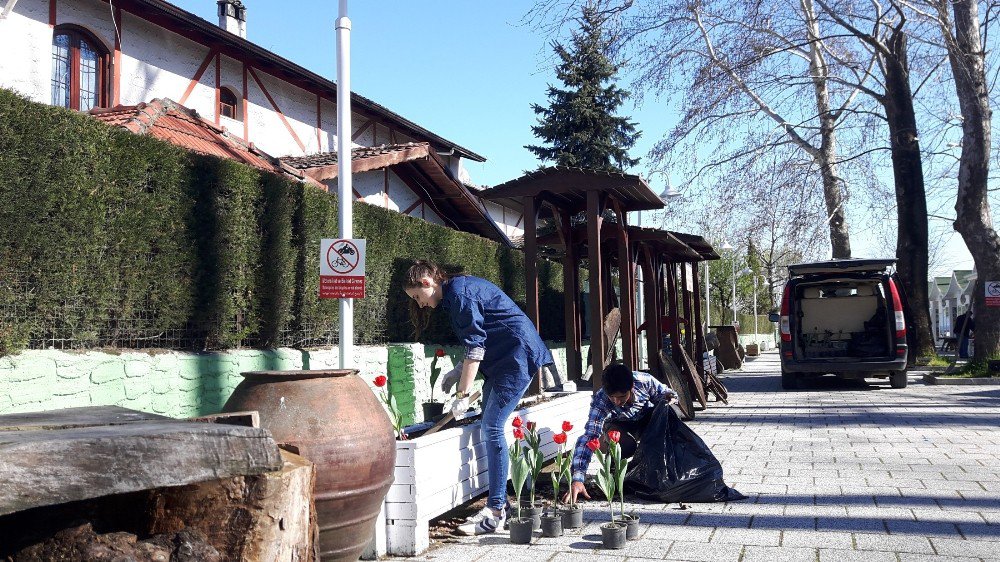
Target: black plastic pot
(632, 526)
(613, 535)
(572, 516)
(534, 512)
(552, 524)
(520, 530)
(432, 410)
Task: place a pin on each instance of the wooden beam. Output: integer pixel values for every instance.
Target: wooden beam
(699, 333)
(56, 459)
(570, 297)
(650, 318)
(594, 209)
(197, 76)
(626, 288)
(686, 295)
(675, 336)
(531, 273)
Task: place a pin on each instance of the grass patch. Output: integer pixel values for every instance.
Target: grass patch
(934, 361)
(971, 371)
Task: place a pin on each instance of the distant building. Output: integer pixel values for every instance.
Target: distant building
(949, 297)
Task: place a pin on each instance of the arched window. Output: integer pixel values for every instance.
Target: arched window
(80, 69)
(227, 104)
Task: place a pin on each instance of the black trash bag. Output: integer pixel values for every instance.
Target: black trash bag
(673, 464)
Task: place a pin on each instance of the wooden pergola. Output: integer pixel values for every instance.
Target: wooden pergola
(566, 192)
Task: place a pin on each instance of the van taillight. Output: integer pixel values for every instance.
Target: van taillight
(786, 332)
(897, 306)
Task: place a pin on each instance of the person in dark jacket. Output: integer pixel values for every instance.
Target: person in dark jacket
(624, 403)
(501, 342)
(965, 324)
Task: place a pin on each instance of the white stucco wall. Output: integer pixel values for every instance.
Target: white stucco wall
(26, 41)
(158, 63)
(508, 220)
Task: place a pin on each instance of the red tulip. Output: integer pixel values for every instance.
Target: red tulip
(380, 381)
(439, 352)
(614, 435)
(567, 426)
(593, 444)
(517, 421)
(532, 426)
(559, 438)
(518, 433)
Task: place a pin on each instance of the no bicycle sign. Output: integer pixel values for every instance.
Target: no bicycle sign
(342, 269)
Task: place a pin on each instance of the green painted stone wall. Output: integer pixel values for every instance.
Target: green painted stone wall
(179, 384)
(170, 383)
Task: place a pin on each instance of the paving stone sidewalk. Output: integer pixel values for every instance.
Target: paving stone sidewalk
(840, 471)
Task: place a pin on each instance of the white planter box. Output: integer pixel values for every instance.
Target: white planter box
(441, 471)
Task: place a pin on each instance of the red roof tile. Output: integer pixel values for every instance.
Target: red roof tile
(180, 126)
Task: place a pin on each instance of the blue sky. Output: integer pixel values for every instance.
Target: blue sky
(467, 70)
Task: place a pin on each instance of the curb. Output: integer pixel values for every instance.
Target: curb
(975, 381)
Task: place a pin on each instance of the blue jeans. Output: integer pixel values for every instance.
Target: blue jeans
(499, 403)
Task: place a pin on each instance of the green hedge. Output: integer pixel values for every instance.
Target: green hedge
(114, 239)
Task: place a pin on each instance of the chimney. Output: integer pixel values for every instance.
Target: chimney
(233, 17)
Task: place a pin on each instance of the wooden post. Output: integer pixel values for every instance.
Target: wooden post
(650, 317)
(570, 295)
(686, 296)
(531, 275)
(699, 332)
(596, 308)
(675, 336)
(627, 290)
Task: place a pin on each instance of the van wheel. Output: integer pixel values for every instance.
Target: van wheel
(897, 379)
(789, 381)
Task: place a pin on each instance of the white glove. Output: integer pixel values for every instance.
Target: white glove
(448, 380)
(459, 406)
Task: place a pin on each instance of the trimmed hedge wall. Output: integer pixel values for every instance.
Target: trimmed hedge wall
(115, 239)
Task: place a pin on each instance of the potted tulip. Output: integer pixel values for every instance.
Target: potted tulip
(612, 533)
(552, 520)
(572, 513)
(620, 466)
(390, 401)
(520, 527)
(535, 459)
(433, 408)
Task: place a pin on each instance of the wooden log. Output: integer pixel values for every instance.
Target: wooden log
(266, 517)
(59, 457)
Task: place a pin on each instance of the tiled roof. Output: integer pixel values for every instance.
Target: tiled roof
(169, 121)
(404, 152)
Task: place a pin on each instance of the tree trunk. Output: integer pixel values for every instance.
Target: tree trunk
(833, 193)
(973, 221)
(911, 200)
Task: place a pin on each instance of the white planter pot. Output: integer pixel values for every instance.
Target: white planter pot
(444, 470)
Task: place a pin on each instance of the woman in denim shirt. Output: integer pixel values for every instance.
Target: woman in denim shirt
(501, 342)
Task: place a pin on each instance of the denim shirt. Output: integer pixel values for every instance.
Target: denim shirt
(492, 328)
(646, 392)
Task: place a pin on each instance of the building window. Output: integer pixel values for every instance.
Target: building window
(227, 103)
(80, 69)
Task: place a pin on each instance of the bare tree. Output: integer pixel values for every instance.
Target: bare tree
(961, 37)
(740, 71)
(883, 32)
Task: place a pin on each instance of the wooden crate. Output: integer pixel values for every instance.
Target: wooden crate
(437, 473)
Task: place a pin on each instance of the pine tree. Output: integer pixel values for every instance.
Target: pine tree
(580, 128)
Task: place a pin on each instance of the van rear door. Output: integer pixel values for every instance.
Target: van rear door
(875, 265)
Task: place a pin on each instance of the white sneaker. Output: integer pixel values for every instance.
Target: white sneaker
(483, 523)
